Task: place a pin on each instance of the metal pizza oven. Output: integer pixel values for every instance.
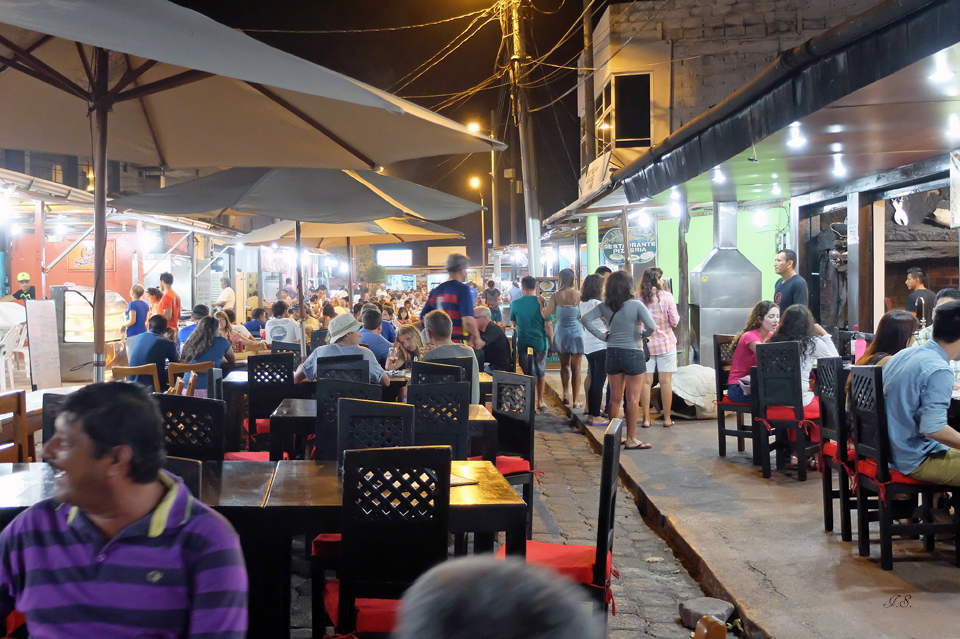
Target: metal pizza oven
(724, 287)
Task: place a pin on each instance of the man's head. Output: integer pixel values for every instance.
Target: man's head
(344, 330)
(371, 320)
(529, 284)
(108, 436)
(945, 295)
(457, 266)
(279, 309)
(915, 278)
(224, 282)
(166, 280)
(483, 315)
(491, 284)
(158, 324)
(603, 271)
(516, 284)
(199, 312)
(785, 263)
(260, 315)
(289, 281)
(439, 327)
(481, 597)
(388, 312)
(23, 279)
(946, 328)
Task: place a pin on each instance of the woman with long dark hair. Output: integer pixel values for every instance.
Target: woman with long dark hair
(568, 336)
(761, 324)
(895, 332)
(662, 344)
(628, 322)
(595, 350)
(206, 344)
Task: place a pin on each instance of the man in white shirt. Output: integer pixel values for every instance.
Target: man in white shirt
(344, 338)
(227, 299)
(280, 328)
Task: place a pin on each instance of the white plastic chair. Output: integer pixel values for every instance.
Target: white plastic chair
(11, 341)
(22, 350)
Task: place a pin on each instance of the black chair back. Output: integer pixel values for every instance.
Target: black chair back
(328, 391)
(51, 408)
(832, 390)
(513, 402)
(192, 426)
(349, 368)
(215, 383)
(442, 416)
(270, 381)
(363, 424)
(723, 350)
(778, 373)
(432, 373)
(189, 470)
(466, 363)
(870, 436)
(396, 510)
(287, 347)
(609, 481)
(318, 338)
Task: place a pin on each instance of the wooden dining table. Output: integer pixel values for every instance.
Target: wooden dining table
(269, 503)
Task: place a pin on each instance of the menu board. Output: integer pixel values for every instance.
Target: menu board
(44, 344)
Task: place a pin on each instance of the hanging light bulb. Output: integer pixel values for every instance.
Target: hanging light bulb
(760, 218)
(674, 193)
(776, 189)
(838, 169)
(796, 140)
(718, 176)
(942, 71)
(238, 245)
(274, 245)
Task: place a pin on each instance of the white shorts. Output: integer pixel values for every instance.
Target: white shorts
(666, 363)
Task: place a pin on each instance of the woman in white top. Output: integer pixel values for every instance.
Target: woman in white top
(595, 350)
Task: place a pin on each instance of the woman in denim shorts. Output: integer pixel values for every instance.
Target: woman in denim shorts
(628, 322)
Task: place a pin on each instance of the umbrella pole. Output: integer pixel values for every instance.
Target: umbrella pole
(303, 332)
(349, 276)
(101, 108)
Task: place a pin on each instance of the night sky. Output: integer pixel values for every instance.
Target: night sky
(382, 59)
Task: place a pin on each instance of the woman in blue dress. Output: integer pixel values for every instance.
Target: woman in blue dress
(568, 336)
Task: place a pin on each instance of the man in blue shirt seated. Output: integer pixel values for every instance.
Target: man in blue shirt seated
(199, 312)
(344, 338)
(371, 335)
(258, 323)
(917, 387)
(153, 347)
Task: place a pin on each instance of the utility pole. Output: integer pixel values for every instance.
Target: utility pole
(494, 205)
(589, 121)
(522, 115)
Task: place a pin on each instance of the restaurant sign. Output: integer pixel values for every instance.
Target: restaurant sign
(643, 245)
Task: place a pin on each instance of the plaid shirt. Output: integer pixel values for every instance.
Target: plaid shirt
(924, 336)
(664, 312)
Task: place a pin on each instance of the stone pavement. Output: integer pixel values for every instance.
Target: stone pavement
(652, 581)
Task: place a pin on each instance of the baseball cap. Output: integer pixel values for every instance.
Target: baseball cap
(342, 325)
(23, 277)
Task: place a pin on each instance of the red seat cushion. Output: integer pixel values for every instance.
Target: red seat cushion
(327, 545)
(830, 448)
(786, 413)
(263, 425)
(373, 615)
(574, 561)
(728, 401)
(244, 455)
(868, 467)
(15, 620)
(507, 464)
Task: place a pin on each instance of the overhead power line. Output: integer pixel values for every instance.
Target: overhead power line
(373, 30)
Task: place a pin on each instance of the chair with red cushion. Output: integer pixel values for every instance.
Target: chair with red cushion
(874, 475)
(442, 416)
(780, 408)
(328, 392)
(723, 349)
(269, 382)
(394, 520)
(590, 566)
(834, 454)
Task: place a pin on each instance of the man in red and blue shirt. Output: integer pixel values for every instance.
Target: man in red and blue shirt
(457, 300)
(122, 549)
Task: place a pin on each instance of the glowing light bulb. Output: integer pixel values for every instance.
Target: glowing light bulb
(60, 229)
(760, 218)
(776, 189)
(953, 128)
(718, 176)
(675, 210)
(796, 140)
(674, 193)
(15, 229)
(942, 71)
(838, 169)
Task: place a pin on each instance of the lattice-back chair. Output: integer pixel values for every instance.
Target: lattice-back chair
(349, 368)
(120, 373)
(589, 566)
(442, 416)
(269, 382)
(875, 477)
(329, 391)
(723, 350)
(318, 338)
(433, 373)
(396, 509)
(834, 433)
(466, 363)
(52, 403)
(215, 383)
(193, 426)
(363, 424)
(287, 347)
(780, 407)
(16, 402)
(189, 470)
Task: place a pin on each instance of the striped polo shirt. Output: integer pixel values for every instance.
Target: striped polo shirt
(456, 299)
(177, 572)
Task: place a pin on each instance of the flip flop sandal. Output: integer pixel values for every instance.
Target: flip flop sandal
(640, 446)
(646, 424)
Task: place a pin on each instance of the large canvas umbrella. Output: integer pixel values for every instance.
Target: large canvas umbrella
(181, 90)
(349, 234)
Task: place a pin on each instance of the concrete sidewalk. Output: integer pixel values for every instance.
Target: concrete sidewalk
(760, 544)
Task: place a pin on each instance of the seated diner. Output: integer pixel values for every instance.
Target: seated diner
(344, 338)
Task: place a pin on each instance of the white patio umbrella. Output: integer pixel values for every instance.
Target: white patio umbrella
(183, 91)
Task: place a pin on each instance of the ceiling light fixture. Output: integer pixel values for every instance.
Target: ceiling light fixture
(796, 140)
(943, 72)
(718, 176)
(953, 126)
(675, 209)
(15, 229)
(760, 218)
(674, 193)
(838, 169)
(274, 246)
(61, 229)
(776, 189)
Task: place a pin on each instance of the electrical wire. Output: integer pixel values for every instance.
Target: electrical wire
(373, 30)
(548, 13)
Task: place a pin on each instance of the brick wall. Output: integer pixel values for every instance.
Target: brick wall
(720, 45)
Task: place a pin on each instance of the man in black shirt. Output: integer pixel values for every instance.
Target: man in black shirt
(921, 299)
(496, 349)
(26, 291)
(791, 289)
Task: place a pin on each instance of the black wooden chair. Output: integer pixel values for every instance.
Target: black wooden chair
(269, 382)
(287, 347)
(215, 383)
(349, 368)
(723, 349)
(466, 363)
(590, 566)
(780, 407)
(318, 338)
(396, 509)
(442, 416)
(52, 403)
(834, 454)
(365, 424)
(432, 373)
(875, 477)
(192, 426)
(189, 470)
(328, 392)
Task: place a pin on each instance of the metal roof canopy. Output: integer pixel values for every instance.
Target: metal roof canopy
(859, 92)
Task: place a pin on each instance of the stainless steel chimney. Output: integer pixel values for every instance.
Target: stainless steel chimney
(724, 287)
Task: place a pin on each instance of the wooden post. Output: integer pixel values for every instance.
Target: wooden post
(302, 311)
(350, 265)
(101, 108)
(683, 286)
(625, 226)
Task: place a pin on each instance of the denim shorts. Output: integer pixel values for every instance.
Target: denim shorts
(629, 361)
(534, 365)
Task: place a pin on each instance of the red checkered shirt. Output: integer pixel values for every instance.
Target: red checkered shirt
(664, 311)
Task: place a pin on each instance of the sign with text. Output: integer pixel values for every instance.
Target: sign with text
(80, 257)
(643, 246)
(44, 345)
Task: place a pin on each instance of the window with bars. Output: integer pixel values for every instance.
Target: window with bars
(624, 114)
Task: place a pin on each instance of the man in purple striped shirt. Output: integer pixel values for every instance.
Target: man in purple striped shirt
(122, 549)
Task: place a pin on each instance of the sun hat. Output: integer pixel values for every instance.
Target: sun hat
(342, 325)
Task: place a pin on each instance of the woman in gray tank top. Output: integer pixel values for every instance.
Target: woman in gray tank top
(628, 322)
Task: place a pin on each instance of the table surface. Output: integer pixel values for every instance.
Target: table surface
(307, 408)
(35, 400)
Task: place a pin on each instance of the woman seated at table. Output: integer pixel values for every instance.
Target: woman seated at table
(225, 329)
(206, 344)
(895, 332)
(407, 349)
(760, 325)
(403, 314)
(327, 315)
(246, 338)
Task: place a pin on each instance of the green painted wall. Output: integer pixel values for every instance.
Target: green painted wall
(757, 246)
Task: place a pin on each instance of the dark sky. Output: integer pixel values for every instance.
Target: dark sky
(383, 58)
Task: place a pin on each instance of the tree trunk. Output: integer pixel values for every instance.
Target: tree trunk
(683, 286)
